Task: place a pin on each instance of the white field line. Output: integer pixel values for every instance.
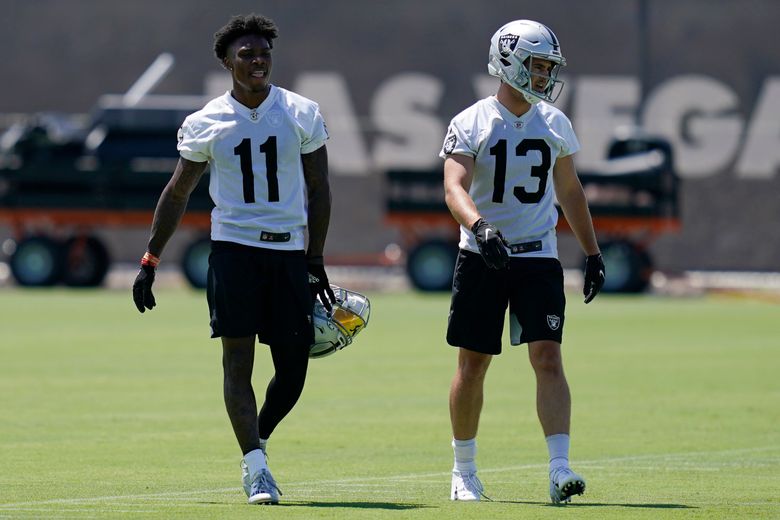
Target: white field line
(363, 480)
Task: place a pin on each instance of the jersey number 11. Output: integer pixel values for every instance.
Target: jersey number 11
(244, 151)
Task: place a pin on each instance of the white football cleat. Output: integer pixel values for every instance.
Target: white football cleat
(563, 484)
(263, 489)
(246, 480)
(466, 487)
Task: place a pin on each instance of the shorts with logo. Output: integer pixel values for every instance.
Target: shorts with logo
(533, 289)
(253, 290)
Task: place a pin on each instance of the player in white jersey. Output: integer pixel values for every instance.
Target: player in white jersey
(507, 157)
(265, 147)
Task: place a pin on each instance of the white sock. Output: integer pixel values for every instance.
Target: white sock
(558, 447)
(465, 453)
(263, 443)
(255, 461)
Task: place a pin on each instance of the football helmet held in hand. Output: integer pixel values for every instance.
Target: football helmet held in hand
(512, 51)
(336, 329)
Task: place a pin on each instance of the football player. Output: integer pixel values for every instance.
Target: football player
(506, 159)
(265, 147)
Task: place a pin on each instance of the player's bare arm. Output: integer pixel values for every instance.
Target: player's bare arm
(573, 203)
(173, 203)
(458, 173)
(315, 173)
(167, 215)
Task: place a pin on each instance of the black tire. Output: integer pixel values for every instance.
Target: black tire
(430, 265)
(37, 262)
(195, 262)
(86, 262)
(628, 267)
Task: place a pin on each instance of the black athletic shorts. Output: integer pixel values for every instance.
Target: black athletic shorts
(533, 288)
(253, 290)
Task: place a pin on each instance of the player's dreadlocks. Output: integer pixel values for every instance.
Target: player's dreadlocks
(239, 26)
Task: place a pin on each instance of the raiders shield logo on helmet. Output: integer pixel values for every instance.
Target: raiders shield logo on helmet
(506, 44)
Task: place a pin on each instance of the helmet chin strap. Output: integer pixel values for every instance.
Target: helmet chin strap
(530, 97)
(534, 96)
(527, 95)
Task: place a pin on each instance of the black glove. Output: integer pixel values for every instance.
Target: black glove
(594, 276)
(318, 282)
(491, 243)
(142, 288)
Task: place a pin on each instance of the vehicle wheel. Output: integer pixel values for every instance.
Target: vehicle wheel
(86, 262)
(430, 265)
(37, 262)
(195, 263)
(628, 267)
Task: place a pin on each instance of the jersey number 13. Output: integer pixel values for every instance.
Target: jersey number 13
(244, 152)
(540, 171)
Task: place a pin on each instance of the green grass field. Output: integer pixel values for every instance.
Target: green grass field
(105, 413)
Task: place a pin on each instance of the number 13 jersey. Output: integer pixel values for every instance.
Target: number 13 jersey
(254, 155)
(513, 166)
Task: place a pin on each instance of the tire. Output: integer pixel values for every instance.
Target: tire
(628, 267)
(86, 262)
(195, 263)
(37, 262)
(430, 265)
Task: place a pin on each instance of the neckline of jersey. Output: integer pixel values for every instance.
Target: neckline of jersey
(507, 115)
(246, 111)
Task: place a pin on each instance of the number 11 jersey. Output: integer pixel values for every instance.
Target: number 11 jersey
(254, 157)
(513, 166)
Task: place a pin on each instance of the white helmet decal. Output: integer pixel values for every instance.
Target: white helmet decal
(506, 44)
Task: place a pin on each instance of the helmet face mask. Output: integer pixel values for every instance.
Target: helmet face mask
(335, 330)
(513, 49)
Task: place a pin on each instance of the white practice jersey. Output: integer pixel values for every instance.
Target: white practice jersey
(513, 167)
(254, 156)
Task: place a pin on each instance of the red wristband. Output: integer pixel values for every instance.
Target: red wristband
(150, 259)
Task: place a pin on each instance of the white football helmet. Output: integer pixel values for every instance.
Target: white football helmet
(512, 51)
(335, 330)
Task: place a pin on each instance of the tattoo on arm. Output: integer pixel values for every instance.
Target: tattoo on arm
(173, 203)
(315, 172)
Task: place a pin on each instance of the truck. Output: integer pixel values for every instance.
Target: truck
(633, 198)
(60, 180)
(64, 176)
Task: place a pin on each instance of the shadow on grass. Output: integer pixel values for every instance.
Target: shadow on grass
(597, 504)
(647, 506)
(390, 506)
(395, 506)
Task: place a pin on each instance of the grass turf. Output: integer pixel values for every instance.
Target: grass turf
(106, 413)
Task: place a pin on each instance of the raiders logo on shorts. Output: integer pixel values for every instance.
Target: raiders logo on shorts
(553, 321)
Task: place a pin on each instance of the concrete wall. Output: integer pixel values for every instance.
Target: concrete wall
(390, 74)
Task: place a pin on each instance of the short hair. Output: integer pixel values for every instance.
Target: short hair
(242, 25)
